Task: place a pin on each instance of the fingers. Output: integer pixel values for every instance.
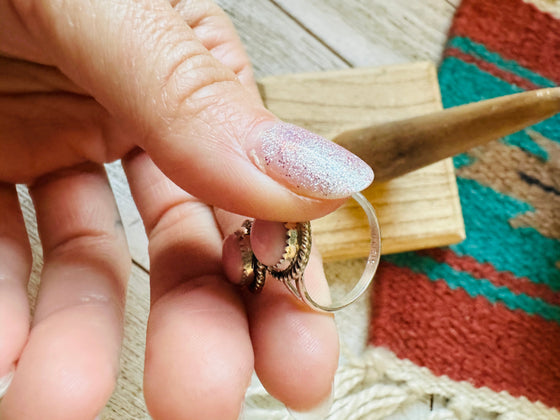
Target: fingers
(215, 31)
(15, 266)
(194, 118)
(199, 358)
(69, 364)
(296, 348)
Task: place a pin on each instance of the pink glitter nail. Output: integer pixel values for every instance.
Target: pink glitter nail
(309, 164)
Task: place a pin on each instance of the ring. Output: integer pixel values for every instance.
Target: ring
(253, 271)
(290, 269)
(369, 271)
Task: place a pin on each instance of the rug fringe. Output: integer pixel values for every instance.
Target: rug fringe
(380, 380)
(378, 385)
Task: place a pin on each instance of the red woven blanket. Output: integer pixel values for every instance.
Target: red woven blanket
(483, 316)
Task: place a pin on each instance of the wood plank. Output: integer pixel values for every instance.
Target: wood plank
(132, 222)
(127, 401)
(276, 43)
(377, 32)
(418, 210)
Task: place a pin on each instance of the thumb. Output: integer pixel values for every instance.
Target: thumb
(194, 118)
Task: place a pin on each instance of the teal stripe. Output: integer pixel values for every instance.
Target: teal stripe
(463, 83)
(487, 213)
(463, 159)
(492, 239)
(480, 51)
(436, 271)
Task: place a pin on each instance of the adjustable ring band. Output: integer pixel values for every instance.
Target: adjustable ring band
(290, 269)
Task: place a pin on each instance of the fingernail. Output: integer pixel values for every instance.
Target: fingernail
(307, 163)
(5, 382)
(320, 412)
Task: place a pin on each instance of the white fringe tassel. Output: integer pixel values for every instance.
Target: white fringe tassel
(379, 385)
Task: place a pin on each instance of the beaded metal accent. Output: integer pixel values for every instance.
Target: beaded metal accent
(291, 266)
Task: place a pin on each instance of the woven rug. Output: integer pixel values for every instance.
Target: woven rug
(477, 325)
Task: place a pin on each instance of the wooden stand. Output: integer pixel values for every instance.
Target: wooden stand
(417, 210)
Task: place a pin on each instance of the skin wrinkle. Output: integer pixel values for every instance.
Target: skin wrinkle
(187, 103)
(178, 54)
(305, 337)
(171, 216)
(101, 266)
(165, 213)
(237, 67)
(18, 75)
(22, 24)
(104, 147)
(87, 299)
(203, 84)
(185, 288)
(195, 13)
(87, 239)
(211, 30)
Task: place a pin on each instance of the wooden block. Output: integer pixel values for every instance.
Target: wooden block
(415, 211)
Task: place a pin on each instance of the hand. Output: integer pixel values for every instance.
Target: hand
(169, 89)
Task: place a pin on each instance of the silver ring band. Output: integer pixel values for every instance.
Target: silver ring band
(367, 276)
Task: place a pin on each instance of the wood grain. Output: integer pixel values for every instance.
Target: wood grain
(276, 43)
(131, 220)
(418, 210)
(372, 32)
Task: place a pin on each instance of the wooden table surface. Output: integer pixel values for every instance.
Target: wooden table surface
(281, 36)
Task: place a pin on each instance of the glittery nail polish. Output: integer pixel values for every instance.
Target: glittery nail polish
(307, 163)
